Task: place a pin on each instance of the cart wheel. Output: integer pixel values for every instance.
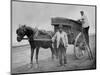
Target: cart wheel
(80, 51)
(79, 47)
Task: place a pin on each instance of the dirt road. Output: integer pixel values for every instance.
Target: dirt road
(21, 60)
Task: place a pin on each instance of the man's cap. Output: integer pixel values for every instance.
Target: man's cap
(81, 11)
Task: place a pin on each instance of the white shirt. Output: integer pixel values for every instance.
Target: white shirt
(59, 35)
(84, 21)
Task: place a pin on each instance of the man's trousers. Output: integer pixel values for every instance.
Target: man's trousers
(62, 55)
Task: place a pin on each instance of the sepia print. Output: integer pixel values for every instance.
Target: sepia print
(52, 37)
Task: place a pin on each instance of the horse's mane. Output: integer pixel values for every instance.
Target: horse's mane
(30, 28)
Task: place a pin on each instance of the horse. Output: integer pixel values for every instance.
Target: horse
(34, 44)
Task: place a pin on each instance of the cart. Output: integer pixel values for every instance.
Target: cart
(74, 30)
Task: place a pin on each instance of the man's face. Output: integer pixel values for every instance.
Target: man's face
(82, 13)
(60, 29)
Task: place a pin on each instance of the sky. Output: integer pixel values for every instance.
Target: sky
(40, 14)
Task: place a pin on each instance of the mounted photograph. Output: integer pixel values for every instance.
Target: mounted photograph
(52, 37)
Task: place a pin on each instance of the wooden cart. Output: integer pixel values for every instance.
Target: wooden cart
(74, 30)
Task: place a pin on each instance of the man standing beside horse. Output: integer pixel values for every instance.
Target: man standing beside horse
(62, 44)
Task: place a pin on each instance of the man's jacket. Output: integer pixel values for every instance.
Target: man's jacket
(63, 36)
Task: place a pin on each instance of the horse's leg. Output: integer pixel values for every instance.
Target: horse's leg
(32, 52)
(37, 52)
(52, 51)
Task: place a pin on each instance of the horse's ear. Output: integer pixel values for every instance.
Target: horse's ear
(24, 27)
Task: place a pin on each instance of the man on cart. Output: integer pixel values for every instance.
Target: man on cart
(85, 29)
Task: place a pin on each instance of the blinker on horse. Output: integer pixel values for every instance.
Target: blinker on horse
(30, 32)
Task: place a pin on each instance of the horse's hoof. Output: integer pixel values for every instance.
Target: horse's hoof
(59, 65)
(65, 65)
(30, 65)
(52, 59)
(37, 66)
(76, 58)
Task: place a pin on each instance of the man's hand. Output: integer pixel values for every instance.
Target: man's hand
(52, 40)
(66, 46)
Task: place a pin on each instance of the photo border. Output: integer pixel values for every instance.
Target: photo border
(57, 4)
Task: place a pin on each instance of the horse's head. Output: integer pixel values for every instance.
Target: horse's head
(21, 32)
